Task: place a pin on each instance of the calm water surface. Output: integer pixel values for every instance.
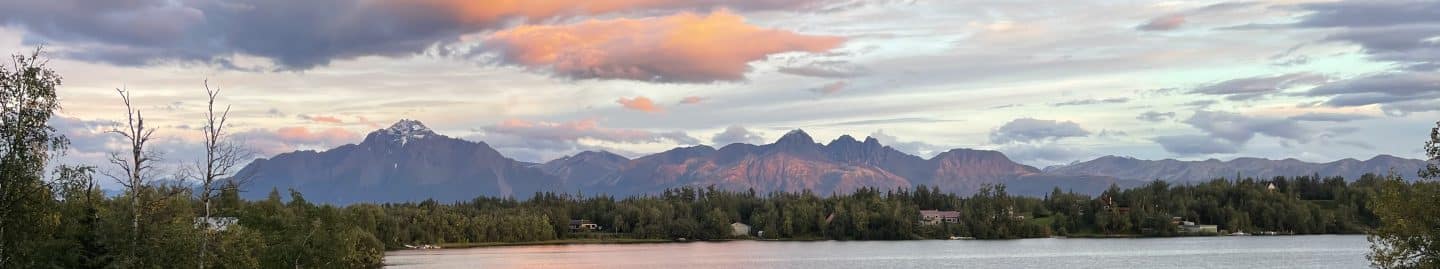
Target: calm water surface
(1315, 251)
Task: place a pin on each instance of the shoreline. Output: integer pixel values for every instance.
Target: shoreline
(579, 241)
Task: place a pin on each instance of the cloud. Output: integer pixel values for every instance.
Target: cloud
(737, 134)
(300, 35)
(1238, 128)
(1045, 153)
(831, 88)
(1196, 145)
(1397, 93)
(1368, 13)
(1229, 132)
(274, 113)
(541, 141)
(830, 69)
(1256, 87)
(1329, 117)
(639, 103)
(1163, 23)
(583, 129)
(691, 100)
(286, 139)
(1174, 21)
(1112, 133)
(1391, 31)
(889, 121)
(685, 47)
(321, 119)
(1027, 130)
(1152, 116)
(1201, 104)
(1007, 106)
(1116, 100)
(912, 147)
(86, 136)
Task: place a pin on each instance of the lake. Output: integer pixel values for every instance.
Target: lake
(1311, 251)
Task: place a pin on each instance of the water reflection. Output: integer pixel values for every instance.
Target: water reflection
(1323, 251)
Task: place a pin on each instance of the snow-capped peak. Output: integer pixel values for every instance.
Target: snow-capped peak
(406, 129)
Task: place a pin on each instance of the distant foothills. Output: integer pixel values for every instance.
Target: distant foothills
(410, 162)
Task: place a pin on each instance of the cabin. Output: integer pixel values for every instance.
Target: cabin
(218, 224)
(739, 229)
(933, 217)
(583, 225)
(1187, 227)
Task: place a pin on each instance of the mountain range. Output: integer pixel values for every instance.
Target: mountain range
(409, 162)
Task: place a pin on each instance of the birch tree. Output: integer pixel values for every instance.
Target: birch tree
(27, 142)
(222, 156)
(137, 164)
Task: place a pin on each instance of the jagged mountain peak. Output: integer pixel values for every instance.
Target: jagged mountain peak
(596, 155)
(796, 136)
(847, 139)
(409, 127)
(404, 131)
(871, 141)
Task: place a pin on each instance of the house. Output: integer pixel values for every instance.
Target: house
(583, 225)
(932, 217)
(1108, 204)
(216, 223)
(1188, 227)
(739, 229)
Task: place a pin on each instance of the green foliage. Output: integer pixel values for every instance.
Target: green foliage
(27, 143)
(1408, 235)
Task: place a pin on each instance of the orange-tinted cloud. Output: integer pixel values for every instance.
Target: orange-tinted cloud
(690, 100)
(288, 139)
(685, 47)
(495, 11)
(640, 103)
(302, 135)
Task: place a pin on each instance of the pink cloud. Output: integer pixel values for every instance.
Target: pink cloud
(286, 139)
(1163, 23)
(302, 135)
(684, 47)
(496, 11)
(324, 119)
(639, 103)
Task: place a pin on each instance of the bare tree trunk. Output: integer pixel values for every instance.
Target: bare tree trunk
(136, 166)
(221, 156)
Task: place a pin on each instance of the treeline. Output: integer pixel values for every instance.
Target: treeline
(1296, 205)
(84, 228)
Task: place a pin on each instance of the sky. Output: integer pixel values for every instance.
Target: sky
(1045, 82)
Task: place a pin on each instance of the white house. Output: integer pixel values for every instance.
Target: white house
(739, 229)
(216, 223)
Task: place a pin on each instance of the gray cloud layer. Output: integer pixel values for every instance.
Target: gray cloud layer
(1026, 130)
(1397, 93)
(737, 134)
(1391, 31)
(1257, 87)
